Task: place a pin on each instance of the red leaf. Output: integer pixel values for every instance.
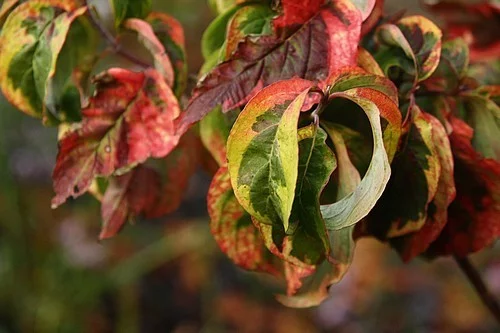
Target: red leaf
(328, 41)
(128, 196)
(295, 13)
(179, 166)
(232, 227)
(474, 216)
(130, 118)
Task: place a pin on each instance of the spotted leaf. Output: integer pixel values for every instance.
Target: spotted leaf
(130, 118)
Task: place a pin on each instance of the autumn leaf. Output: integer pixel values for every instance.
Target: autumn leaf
(314, 288)
(416, 243)
(365, 7)
(124, 9)
(295, 13)
(214, 132)
(413, 44)
(233, 229)
(377, 101)
(171, 35)
(147, 37)
(414, 182)
(38, 54)
(262, 151)
(321, 45)
(474, 216)
(126, 197)
(129, 119)
(176, 170)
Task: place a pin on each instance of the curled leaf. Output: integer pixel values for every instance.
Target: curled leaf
(148, 38)
(171, 35)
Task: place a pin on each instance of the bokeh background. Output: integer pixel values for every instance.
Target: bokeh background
(168, 275)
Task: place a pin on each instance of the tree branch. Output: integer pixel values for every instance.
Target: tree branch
(111, 40)
(475, 279)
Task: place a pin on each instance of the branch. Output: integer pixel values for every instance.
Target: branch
(111, 40)
(475, 279)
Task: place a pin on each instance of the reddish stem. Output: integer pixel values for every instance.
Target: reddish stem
(482, 290)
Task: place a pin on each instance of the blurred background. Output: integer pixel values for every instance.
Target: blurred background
(168, 275)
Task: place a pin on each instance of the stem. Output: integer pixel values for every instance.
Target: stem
(111, 40)
(475, 279)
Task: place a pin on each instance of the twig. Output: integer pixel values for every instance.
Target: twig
(117, 48)
(475, 279)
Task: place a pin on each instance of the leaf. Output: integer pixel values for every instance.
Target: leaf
(358, 204)
(295, 13)
(437, 213)
(413, 185)
(420, 41)
(36, 59)
(214, 132)
(452, 68)
(252, 20)
(368, 63)
(148, 38)
(232, 227)
(222, 6)
(124, 9)
(365, 7)
(129, 119)
(6, 8)
(483, 115)
(314, 288)
(214, 36)
(262, 151)
(126, 197)
(171, 34)
(176, 169)
(323, 44)
(316, 164)
(474, 216)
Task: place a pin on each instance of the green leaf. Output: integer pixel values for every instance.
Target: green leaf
(314, 288)
(124, 9)
(358, 204)
(252, 20)
(214, 132)
(420, 41)
(37, 58)
(483, 115)
(262, 151)
(214, 36)
(316, 164)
